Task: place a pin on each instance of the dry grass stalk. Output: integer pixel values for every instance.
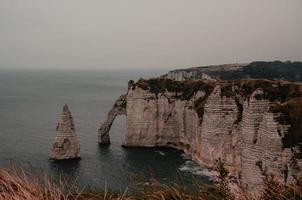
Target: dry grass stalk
(16, 184)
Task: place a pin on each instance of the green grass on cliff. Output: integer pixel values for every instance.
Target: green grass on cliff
(276, 70)
(184, 89)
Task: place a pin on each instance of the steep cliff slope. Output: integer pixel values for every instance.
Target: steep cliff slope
(248, 123)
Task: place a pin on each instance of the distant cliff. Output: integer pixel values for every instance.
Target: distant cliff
(276, 70)
(248, 123)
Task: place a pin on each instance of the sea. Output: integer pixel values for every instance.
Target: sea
(30, 105)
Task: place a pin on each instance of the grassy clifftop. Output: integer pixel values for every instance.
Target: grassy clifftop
(276, 70)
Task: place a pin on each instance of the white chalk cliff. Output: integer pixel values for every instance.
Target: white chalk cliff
(208, 120)
(204, 73)
(66, 145)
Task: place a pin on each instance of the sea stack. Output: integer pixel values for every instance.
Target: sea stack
(66, 145)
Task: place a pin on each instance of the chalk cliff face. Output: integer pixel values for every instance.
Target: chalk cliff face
(206, 72)
(242, 122)
(66, 144)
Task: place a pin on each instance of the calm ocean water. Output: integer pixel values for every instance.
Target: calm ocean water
(30, 105)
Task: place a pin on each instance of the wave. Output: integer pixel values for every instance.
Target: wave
(160, 153)
(192, 167)
(185, 156)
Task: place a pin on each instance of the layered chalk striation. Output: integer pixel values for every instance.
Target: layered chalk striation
(66, 145)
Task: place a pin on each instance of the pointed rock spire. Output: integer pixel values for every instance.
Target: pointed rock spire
(66, 144)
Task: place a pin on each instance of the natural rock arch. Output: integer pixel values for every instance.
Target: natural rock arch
(119, 108)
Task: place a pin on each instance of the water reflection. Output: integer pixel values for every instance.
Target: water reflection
(104, 150)
(65, 168)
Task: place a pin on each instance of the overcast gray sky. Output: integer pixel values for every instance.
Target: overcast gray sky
(79, 34)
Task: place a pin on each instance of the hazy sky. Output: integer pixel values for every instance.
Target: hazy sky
(79, 34)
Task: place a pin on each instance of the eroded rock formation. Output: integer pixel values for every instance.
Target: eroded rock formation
(247, 123)
(119, 108)
(66, 144)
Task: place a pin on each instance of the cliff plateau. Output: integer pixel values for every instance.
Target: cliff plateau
(275, 70)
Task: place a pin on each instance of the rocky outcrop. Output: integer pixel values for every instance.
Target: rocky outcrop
(119, 108)
(209, 120)
(66, 144)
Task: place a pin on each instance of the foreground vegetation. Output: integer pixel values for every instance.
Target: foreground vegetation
(16, 184)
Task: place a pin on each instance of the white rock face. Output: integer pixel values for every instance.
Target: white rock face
(66, 144)
(183, 75)
(262, 143)
(219, 135)
(239, 130)
(203, 73)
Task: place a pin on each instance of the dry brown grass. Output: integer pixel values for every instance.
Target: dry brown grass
(17, 184)
(274, 189)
